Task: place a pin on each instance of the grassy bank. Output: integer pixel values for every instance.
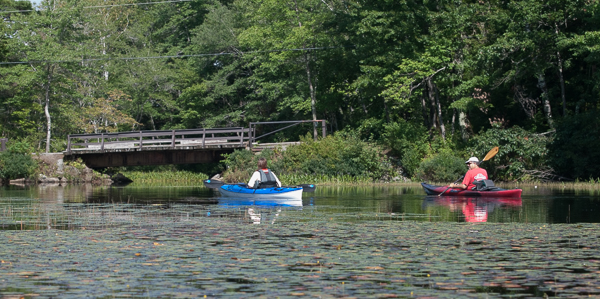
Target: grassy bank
(191, 177)
(183, 176)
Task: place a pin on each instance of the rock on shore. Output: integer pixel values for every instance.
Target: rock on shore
(52, 169)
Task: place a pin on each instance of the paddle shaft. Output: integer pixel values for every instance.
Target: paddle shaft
(451, 184)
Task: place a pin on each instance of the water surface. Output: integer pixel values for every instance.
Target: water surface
(379, 241)
(72, 206)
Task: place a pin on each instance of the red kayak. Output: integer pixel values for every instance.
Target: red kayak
(497, 192)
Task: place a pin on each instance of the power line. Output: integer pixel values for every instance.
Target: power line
(104, 6)
(166, 57)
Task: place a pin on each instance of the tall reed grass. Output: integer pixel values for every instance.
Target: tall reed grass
(165, 176)
(296, 179)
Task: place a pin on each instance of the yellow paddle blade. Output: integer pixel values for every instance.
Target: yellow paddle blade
(491, 153)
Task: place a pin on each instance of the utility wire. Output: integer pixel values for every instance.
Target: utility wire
(104, 6)
(163, 57)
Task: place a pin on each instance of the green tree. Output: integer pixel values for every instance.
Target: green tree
(523, 155)
(573, 153)
(219, 92)
(16, 162)
(104, 115)
(48, 40)
(287, 31)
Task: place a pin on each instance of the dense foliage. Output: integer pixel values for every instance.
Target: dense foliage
(522, 155)
(443, 167)
(415, 76)
(574, 152)
(337, 155)
(17, 162)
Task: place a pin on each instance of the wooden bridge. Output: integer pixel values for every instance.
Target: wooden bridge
(187, 146)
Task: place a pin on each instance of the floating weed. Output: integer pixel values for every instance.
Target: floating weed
(220, 257)
(178, 249)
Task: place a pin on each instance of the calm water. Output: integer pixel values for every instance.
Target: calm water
(351, 242)
(73, 206)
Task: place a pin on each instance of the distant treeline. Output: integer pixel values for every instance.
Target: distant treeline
(428, 81)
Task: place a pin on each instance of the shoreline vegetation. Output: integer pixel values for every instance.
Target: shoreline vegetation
(402, 89)
(342, 158)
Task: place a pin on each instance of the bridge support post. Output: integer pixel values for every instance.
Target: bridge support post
(173, 139)
(242, 137)
(102, 144)
(141, 142)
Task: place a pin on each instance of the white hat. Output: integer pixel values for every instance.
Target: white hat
(473, 159)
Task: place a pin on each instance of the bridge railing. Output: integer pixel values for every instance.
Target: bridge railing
(147, 139)
(3, 142)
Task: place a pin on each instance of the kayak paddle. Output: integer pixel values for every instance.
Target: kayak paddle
(213, 184)
(489, 155)
(308, 187)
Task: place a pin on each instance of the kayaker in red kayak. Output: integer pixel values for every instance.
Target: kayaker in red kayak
(263, 177)
(475, 173)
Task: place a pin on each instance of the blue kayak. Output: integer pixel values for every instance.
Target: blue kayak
(238, 190)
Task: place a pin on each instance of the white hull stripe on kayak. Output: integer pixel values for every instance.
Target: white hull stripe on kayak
(295, 194)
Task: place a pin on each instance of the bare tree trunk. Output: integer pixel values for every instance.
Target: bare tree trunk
(334, 125)
(311, 86)
(439, 109)
(560, 76)
(424, 109)
(387, 113)
(313, 96)
(47, 110)
(562, 84)
(545, 100)
(152, 121)
(104, 53)
(432, 105)
(462, 122)
(453, 121)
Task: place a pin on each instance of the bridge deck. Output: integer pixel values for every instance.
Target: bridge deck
(168, 146)
(196, 139)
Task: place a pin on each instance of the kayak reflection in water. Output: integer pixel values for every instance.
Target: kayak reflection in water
(256, 217)
(473, 209)
(475, 213)
(263, 177)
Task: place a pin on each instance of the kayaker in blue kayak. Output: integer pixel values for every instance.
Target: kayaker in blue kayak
(475, 173)
(263, 177)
